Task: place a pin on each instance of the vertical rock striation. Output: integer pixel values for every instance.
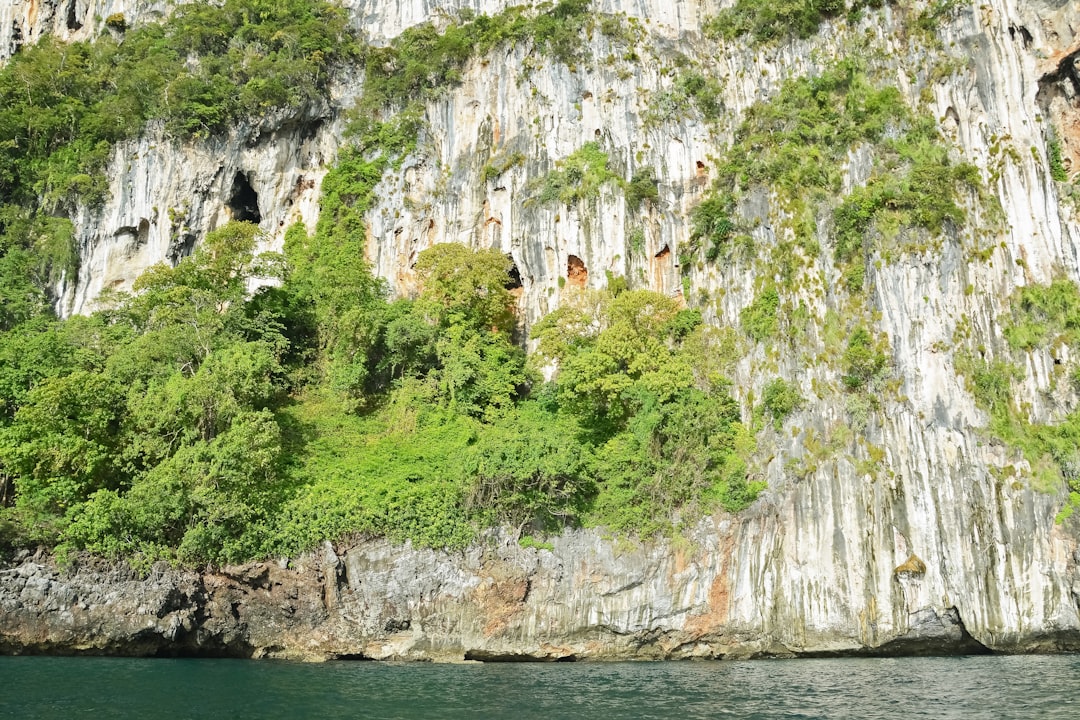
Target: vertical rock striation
(24, 22)
(164, 198)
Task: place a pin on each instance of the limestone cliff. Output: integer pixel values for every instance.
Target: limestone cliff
(914, 530)
(586, 598)
(27, 21)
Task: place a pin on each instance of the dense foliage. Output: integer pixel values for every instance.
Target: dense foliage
(764, 21)
(190, 421)
(423, 61)
(63, 106)
(579, 176)
(1045, 315)
(1056, 163)
(780, 398)
(150, 425)
(665, 432)
(194, 421)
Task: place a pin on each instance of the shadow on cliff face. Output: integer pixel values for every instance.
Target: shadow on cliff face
(510, 657)
(244, 201)
(1059, 99)
(72, 20)
(930, 634)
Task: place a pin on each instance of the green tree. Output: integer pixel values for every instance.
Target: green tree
(780, 398)
(63, 444)
(667, 435)
(461, 286)
(864, 359)
(602, 375)
(531, 467)
(480, 371)
(208, 502)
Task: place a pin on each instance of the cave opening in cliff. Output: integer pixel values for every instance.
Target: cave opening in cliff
(244, 201)
(182, 245)
(73, 17)
(513, 276)
(1025, 35)
(576, 272)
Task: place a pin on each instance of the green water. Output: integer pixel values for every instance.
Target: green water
(940, 688)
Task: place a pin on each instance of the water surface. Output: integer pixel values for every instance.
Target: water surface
(1045, 687)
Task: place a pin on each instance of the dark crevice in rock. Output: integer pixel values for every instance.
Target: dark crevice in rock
(244, 201)
(297, 127)
(635, 583)
(1067, 71)
(73, 22)
(354, 657)
(394, 625)
(513, 280)
(309, 130)
(1059, 100)
(182, 246)
(136, 236)
(1025, 36)
(934, 634)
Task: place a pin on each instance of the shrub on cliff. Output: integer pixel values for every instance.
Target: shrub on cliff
(63, 106)
(780, 398)
(765, 20)
(668, 439)
(154, 420)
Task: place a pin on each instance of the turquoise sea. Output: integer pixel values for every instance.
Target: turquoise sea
(1043, 687)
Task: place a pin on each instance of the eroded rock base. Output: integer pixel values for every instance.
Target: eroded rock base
(496, 602)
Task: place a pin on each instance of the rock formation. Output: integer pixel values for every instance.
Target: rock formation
(919, 534)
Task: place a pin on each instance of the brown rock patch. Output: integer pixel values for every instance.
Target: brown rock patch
(500, 601)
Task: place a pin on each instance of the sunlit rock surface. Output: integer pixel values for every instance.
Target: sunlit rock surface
(24, 22)
(915, 534)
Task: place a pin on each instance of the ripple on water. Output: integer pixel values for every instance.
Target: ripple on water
(1043, 688)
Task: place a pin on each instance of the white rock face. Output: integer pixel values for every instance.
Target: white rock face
(24, 22)
(164, 198)
(821, 562)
